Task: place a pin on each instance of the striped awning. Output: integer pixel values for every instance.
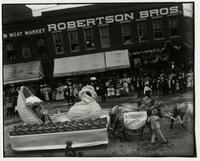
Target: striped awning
(78, 65)
(117, 59)
(22, 72)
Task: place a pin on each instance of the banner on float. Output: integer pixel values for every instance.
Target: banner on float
(135, 120)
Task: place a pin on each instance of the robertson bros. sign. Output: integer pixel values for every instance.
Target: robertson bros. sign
(112, 18)
(128, 16)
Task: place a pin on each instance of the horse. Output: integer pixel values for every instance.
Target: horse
(180, 111)
(117, 117)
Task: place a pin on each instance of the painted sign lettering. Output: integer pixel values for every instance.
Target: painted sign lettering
(91, 21)
(159, 12)
(96, 21)
(23, 33)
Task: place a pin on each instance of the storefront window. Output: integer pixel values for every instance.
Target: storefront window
(58, 43)
(142, 31)
(10, 51)
(89, 40)
(104, 36)
(157, 28)
(73, 40)
(26, 51)
(173, 26)
(126, 33)
(41, 46)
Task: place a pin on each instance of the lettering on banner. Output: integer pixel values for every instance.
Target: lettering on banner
(135, 120)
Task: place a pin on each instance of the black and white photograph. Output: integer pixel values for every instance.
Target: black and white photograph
(98, 79)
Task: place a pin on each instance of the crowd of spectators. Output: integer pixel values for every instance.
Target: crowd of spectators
(160, 85)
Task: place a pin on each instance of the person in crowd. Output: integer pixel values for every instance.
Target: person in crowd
(185, 83)
(177, 86)
(154, 120)
(75, 92)
(109, 91)
(158, 86)
(13, 94)
(102, 92)
(154, 87)
(173, 85)
(71, 96)
(9, 106)
(142, 83)
(53, 93)
(117, 91)
(138, 87)
(45, 91)
(162, 90)
(67, 94)
(126, 88)
(60, 92)
(165, 87)
(131, 87)
(147, 89)
(112, 91)
(169, 84)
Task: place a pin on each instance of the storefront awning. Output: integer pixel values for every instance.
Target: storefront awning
(118, 59)
(79, 65)
(22, 72)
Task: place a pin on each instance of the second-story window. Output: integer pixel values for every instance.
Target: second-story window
(126, 33)
(10, 51)
(158, 29)
(73, 40)
(26, 51)
(41, 46)
(142, 32)
(58, 43)
(173, 26)
(104, 36)
(89, 39)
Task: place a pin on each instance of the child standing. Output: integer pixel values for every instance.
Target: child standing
(69, 151)
(155, 126)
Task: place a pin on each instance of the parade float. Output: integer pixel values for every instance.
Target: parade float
(85, 124)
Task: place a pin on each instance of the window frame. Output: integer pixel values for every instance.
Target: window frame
(171, 17)
(54, 41)
(8, 52)
(84, 32)
(101, 26)
(70, 42)
(146, 30)
(23, 47)
(41, 48)
(153, 22)
(123, 34)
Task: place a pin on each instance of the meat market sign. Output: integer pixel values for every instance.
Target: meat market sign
(23, 33)
(122, 17)
(112, 18)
